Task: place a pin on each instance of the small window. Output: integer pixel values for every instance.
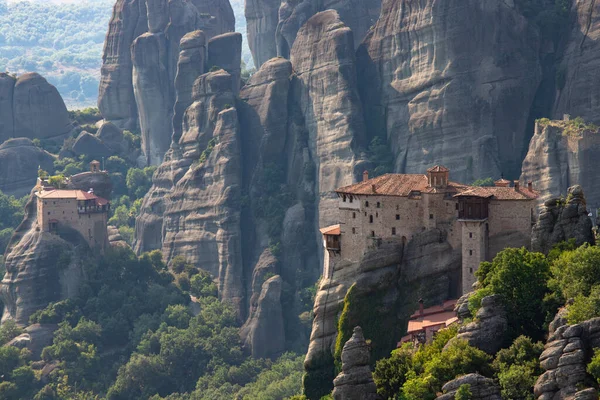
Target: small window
(471, 235)
(372, 233)
(430, 216)
(344, 199)
(393, 231)
(365, 213)
(456, 205)
(470, 252)
(354, 215)
(397, 217)
(378, 205)
(48, 212)
(366, 204)
(471, 270)
(397, 207)
(353, 230)
(351, 199)
(376, 215)
(370, 219)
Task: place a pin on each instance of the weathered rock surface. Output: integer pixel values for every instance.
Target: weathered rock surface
(355, 382)
(482, 388)
(40, 267)
(90, 145)
(35, 338)
(564, 359)
(323, 58)
(99, 182)
(577, 96)
(264, 332)
(31, 107)
(19, 162)
(561, 220)
(557, 160)
(487, 331)
(140, 79)
(437, 81)
(114, 237)
(190, 66)
(262, 17)
(225, 51)
(112, 137)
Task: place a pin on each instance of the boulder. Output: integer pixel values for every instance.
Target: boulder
(561, 220)
(35, 338)
(225, 51)
(112, 137)
(434, 82)
(19, 163)
(39, 110)
(487, 331)
(7, 89)
(90, 145)
(355, 382)
(482, 388)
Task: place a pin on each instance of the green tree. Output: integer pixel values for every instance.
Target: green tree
(391, 373)
(464, 392)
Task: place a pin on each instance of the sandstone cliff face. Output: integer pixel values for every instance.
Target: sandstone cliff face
(19, 162)
(451, 83)
(487, 331)
(262, 17)
(323, 59)
(557, 160)
(576, 94)
(40, 268)
(31, 107)
(482, 388)
(140, 63)
(562, 220)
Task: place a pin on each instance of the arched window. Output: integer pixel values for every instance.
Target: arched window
(354, 215)
(370, 219)
(366, 204)
(378, 205)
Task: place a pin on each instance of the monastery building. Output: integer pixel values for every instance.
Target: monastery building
(478, 221)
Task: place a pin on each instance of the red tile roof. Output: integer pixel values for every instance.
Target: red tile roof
(333, 230)
(437, 315)
(500, 193)
(71, 194)
(438, 168)
(388, 185)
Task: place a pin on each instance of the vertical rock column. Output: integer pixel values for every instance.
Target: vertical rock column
(225, 51)
(262, 17)
(7, 89)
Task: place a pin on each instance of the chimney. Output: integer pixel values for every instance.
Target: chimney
(373, 188)
(516, 186)
(530, 186)
(421, 309)
(365, 175)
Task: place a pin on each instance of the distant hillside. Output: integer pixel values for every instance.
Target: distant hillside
(63, 42)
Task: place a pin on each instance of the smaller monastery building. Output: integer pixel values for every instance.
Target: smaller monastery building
(478, 221)
(76, 209)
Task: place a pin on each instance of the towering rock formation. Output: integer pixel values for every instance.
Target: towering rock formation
(487, 332)
(225, 51)
(140, 63)
(355, 382)
(31, 107)
(274, 25)
(561, 155)
(561, 220)
(451, 83)
(577, 86)
(323, 58)
(19, 163)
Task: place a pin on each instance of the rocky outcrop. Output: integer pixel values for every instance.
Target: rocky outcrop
(391, 277)
(19, 163)
(437, 82)
(40, 267)
(355, 382)
(140, 63)
(90, 145)
(225, 51)
(564, 360)
(560, 156)
(561, 220)
(264, 332)
(35, 338)
(99, 182)
(32, 108)
(262, 17)
(112, 137)
(481, 388)
(487, 332)
(114, 237)
(576, 86)
(190, 66)
(323, 58)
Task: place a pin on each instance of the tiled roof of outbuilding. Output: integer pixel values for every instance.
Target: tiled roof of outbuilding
(388, 185)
